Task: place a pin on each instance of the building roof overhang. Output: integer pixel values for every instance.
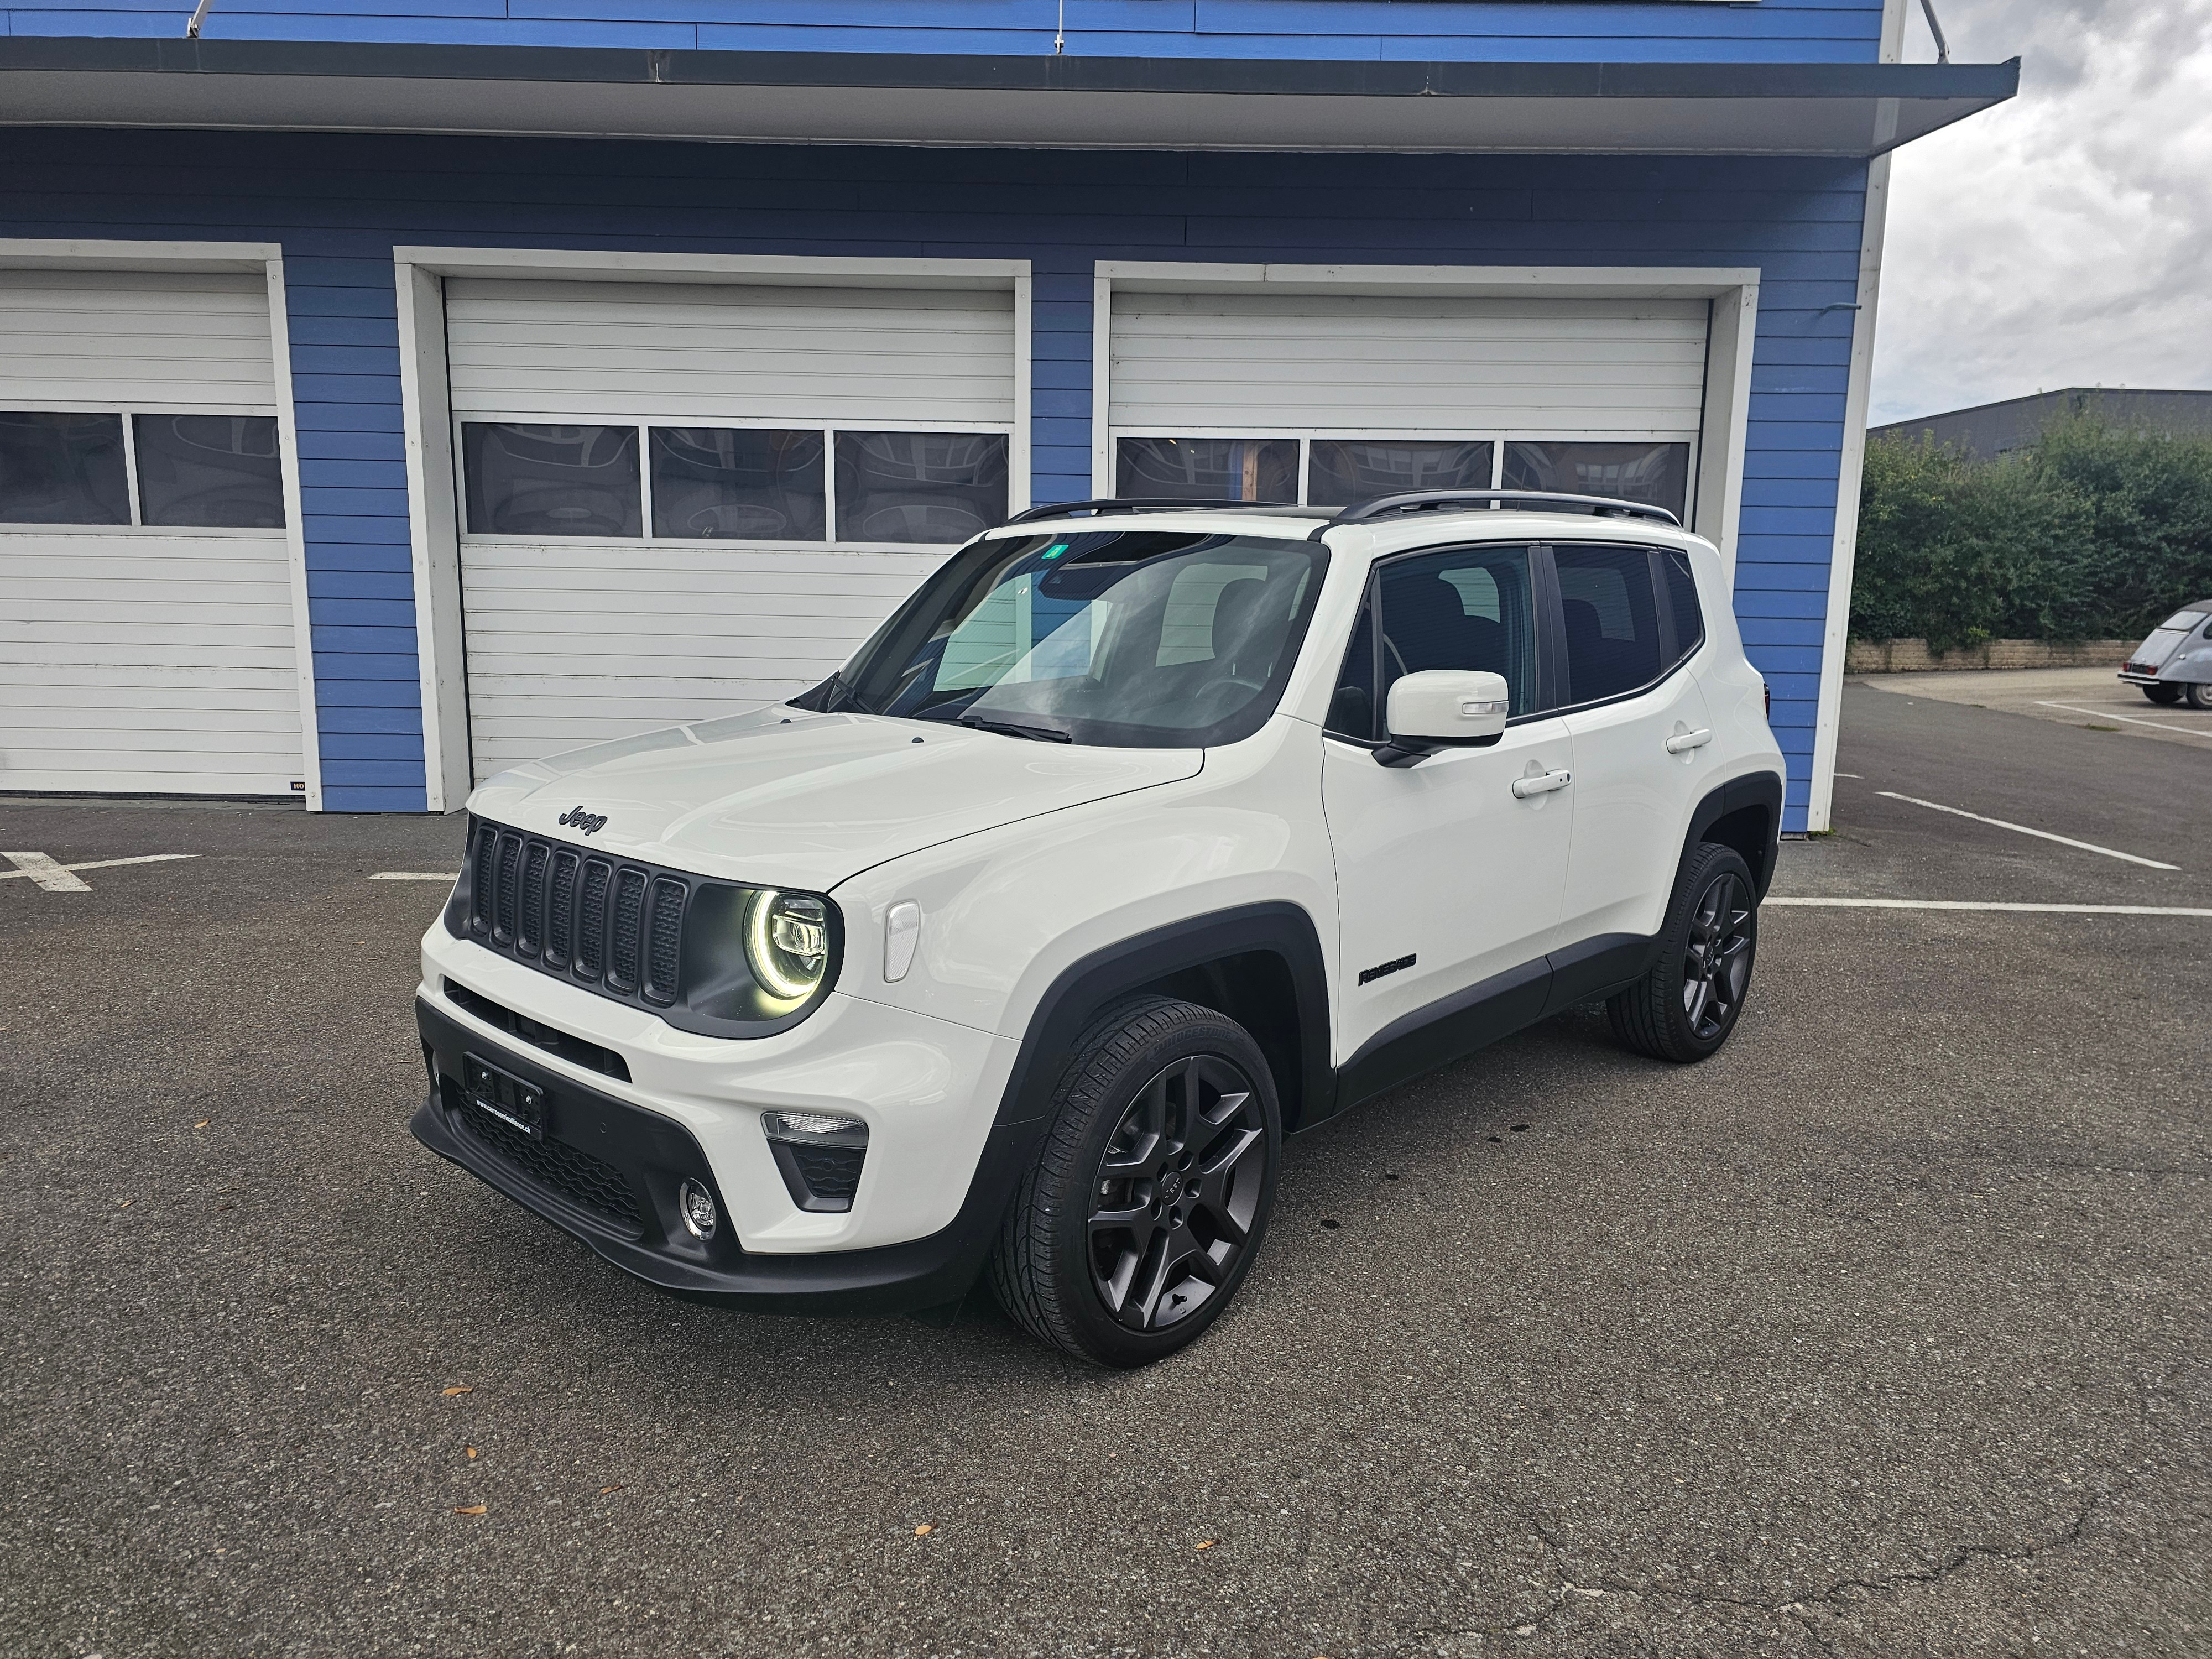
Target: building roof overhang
(1065, 102)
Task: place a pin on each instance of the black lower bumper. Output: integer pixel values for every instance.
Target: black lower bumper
(607, 1172)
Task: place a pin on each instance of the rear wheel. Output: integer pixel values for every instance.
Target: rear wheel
(1684, 1009)
(2200, 696)
(1148, 1200)
(2168, 694)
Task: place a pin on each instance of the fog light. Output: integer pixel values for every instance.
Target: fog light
(698, 1207)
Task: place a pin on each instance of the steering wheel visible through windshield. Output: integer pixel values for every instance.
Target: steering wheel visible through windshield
(1124, 638)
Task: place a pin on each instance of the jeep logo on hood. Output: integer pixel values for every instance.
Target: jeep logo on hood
(577, 818)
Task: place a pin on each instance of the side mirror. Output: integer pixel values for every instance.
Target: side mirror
(1444, 709)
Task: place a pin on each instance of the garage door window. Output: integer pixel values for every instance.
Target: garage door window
(209, 472)
(1341, 470)
(730, 482)
(62, 469)
(1657, 473)
(193, 471)
(1208, 469)
(1337, 471)
(603, 482)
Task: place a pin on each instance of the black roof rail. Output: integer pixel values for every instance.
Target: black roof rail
(1139, 504)
(1541, 501)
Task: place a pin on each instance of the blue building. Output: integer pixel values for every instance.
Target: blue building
(391, 390)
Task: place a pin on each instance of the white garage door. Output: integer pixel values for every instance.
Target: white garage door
(685, 500)
(1331, 397)
(146, 640)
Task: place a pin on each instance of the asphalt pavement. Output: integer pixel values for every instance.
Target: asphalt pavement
(1885, 1332)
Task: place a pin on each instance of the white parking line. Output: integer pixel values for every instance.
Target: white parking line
(2132, 719)
(59, 878)
(416, 875)
(2021, 829)
(1989, 904)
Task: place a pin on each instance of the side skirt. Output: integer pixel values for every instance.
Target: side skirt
(1457, 1026)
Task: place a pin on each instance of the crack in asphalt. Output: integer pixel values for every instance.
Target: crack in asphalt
(1798, 1608)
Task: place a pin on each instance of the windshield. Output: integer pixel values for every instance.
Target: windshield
(1121, 638)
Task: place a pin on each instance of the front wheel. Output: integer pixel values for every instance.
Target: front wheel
(2165, 696)
(1148, 1200)
(1685, 1007)
(2200, 696)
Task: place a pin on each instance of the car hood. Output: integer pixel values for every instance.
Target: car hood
(788, 798)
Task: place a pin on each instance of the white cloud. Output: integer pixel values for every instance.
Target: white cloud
(2064, 238)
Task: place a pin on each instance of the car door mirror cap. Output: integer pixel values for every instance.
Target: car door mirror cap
(1444, 709)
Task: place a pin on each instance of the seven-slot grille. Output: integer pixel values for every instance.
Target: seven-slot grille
(615, 926)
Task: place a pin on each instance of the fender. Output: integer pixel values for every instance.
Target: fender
(1298, 1054)
(1753, 789)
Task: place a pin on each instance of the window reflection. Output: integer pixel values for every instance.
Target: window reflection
(209, 472)
(1208, 469)
(527, 480)
(929, 487)
(1341, 470)
(1656, 473)
(747, 485)
(61, 469)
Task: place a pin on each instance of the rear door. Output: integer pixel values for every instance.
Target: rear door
(1628, 628)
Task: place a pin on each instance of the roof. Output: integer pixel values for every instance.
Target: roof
(1982, 431)
(928, 98)
(1309, 524)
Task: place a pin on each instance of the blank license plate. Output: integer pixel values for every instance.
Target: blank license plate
(504, 1095)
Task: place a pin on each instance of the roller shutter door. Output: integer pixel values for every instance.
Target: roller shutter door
(685, 499)
(1325, 398)
(146, 644)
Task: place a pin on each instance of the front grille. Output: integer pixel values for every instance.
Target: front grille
(588, 1182)
(611, 924)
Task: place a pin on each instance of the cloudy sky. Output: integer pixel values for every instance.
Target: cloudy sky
(2063, 238)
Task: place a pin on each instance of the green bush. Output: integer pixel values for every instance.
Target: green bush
(2093, 532)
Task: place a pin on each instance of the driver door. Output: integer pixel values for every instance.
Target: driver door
(1447, 879)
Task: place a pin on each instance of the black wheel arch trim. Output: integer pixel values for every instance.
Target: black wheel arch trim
(1144, 961)
(1753, 789)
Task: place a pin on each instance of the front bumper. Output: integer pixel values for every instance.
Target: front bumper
(607, 1172)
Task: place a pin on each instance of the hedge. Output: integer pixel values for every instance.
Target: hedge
(2094, 531)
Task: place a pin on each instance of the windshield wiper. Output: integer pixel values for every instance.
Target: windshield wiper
(1041, 733)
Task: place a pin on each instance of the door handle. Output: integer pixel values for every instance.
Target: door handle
(1543, 784)
(1683, 742)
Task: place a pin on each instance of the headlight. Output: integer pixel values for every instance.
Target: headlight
(787, 943)
(757, 959)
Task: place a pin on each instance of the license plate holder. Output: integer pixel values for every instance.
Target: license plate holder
(518, 1104)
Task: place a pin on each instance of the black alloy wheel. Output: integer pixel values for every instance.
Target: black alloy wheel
(1717, 960)
(1178, 1188)
(1147, 1202)
(1685, 1007)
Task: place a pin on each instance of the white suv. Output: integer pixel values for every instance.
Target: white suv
(1143, 834)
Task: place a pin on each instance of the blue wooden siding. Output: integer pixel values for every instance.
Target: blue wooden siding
(1617, 31)
(339, 203)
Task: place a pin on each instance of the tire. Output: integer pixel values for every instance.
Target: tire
(1112, 1251)
(2200, 696)
(1684, 1009)
(2165, 695)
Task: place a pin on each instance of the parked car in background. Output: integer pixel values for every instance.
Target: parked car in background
(1140, 836)
(2176, 661)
